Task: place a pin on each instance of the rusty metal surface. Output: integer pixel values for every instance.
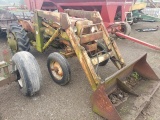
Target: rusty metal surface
(101, 58)
(91, 37)
(64, 21)
(27, 25)
(61, 18)
(91, 47)
(102, 105)
(53, 16)
(138, 97)
(93, 15)
(85, 60)
(56, 33)
(82, 56)
(140, 65)
(88, 23)
(130, 109)
(112, 46)
(6, 77)
(83, 43)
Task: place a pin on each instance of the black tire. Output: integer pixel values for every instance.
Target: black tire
(28, 72)
(19, 36)
(126, 28)
(135, 20)
(61, 74)
(131, 23)
(102, 47)
(2, 33)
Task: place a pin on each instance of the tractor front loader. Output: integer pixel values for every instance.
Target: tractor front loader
(82, 33)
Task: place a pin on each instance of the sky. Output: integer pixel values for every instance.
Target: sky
(9, 2)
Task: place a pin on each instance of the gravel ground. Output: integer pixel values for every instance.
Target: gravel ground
(72, 102)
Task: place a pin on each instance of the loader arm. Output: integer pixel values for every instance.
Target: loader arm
(38, 16)
(81, 53)
(65, 21)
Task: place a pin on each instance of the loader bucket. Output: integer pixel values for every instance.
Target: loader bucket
(124, 94)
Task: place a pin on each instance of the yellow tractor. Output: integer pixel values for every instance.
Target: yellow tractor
(121, 96)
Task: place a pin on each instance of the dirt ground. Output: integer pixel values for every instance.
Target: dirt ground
(72, 102)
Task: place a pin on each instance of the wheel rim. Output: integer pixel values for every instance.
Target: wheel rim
(123, 29)
(56, 70)
(20, 81)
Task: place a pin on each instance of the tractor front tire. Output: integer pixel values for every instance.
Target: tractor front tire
(28, 72)
(59, 68)
(17, 38)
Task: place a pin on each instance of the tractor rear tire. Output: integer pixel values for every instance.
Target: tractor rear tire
(19, 36)
(28, 72)
(59, 68)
